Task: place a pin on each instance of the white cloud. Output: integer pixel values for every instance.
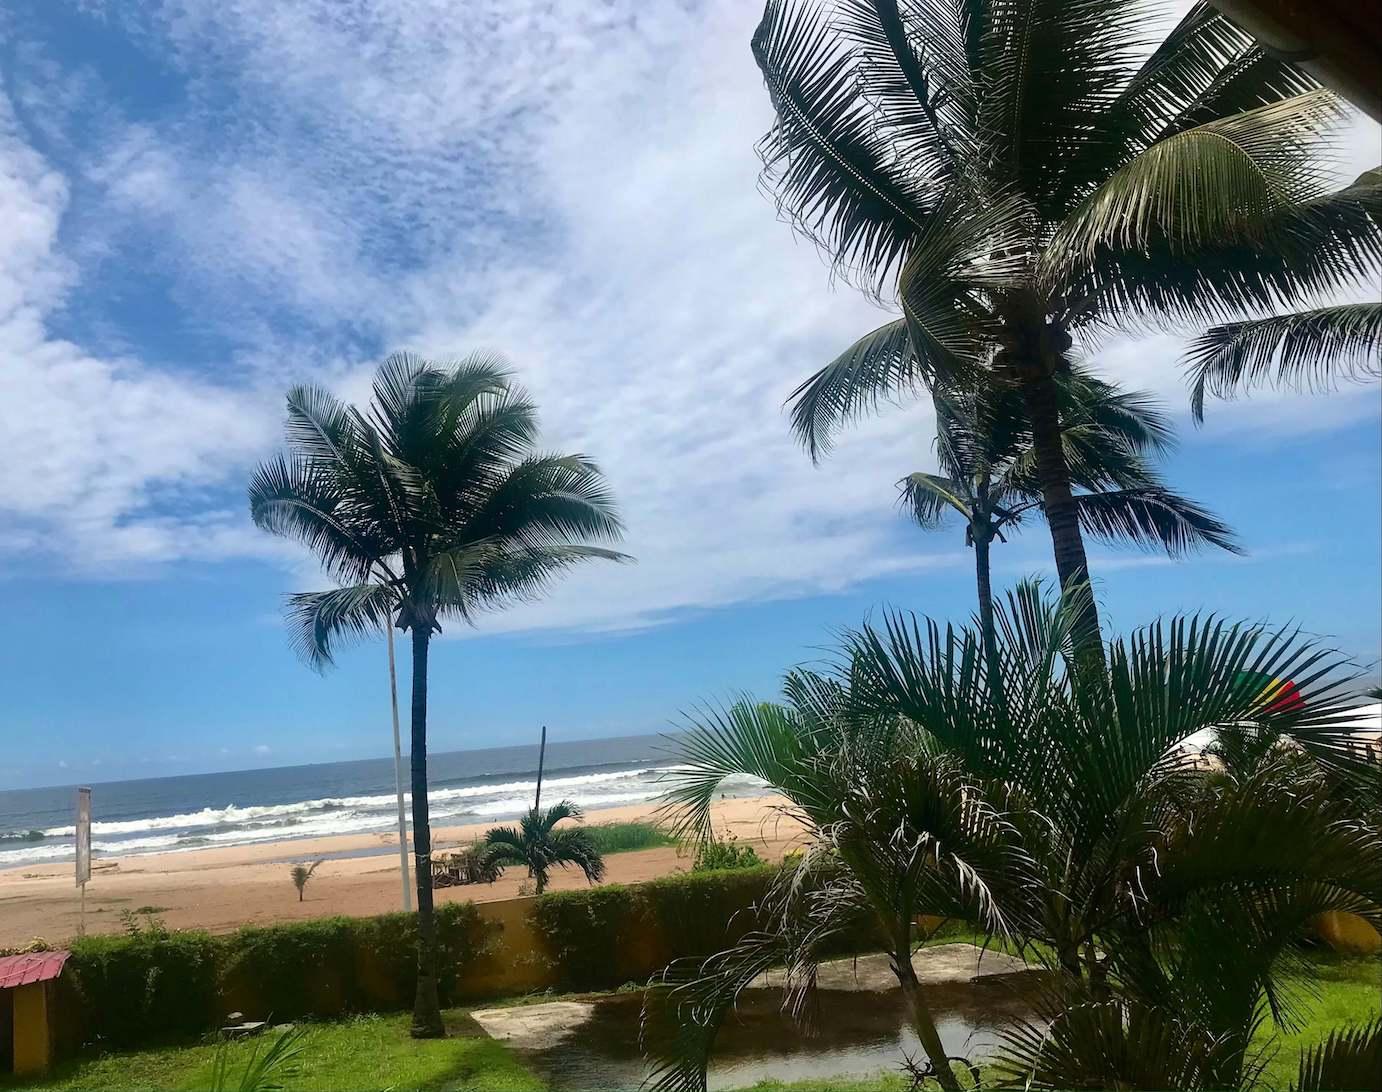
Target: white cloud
(101, 450)
(261, 749)
(576, 189)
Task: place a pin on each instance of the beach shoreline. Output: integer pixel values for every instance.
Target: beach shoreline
(223, 887)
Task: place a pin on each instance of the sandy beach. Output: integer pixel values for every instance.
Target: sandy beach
(226, 887)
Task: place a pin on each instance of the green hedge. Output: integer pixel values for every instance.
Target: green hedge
(156, 984)
(603, 937)
(151, 986)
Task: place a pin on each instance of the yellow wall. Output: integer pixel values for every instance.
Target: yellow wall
(1348, 933)
(516, 962)
(33, 1038)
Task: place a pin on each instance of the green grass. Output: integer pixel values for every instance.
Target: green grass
(1348, 991)
(623, 837)
(364, 1053)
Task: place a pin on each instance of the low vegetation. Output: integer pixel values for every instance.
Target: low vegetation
(715, 854)
(364, 1053)
(1054, 801)
(372, 1053)
(626, 837)
(157, 984)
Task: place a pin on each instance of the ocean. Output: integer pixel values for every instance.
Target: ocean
(162, 814)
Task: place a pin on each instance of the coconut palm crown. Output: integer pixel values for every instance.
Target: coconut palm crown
(1023, 177)
(431, 505)
(1109, 437)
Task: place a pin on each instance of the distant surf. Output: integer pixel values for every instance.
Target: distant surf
(256, 806)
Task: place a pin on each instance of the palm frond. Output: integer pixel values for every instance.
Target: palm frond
(301, 500)
(922, 86)
(1224, 180)
(929, 497)
(575, 847)
(757, 739)
(1306, 251)
(1349, 1058)
(879, 366)
(1112, 1044)
(465, 580)
(563, 809)
(1315, 350)
(318, 622)
(545, 501)
(320, 427)
(1206, 68)
(1050, 66)
(969, 249)
(1134, 418)
(1154, 518)
(835, 175)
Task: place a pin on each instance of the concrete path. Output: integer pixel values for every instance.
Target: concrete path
(528, 1025)
(873, 973)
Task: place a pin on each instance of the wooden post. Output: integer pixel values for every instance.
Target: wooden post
(541, 754)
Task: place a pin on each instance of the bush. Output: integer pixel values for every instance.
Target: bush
(724, 853)
(146, 986)
(153, 984)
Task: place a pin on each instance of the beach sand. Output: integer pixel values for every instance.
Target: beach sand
(226, 887)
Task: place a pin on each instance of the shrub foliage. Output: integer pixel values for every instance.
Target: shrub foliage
(153, 984)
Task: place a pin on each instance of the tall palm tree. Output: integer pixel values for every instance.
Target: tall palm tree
(538, 844)
(1020, 176)
(987, 473)
(1057, 808)
(431, 504)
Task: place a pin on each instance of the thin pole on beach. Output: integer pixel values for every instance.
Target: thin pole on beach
(398, 777)
(541, 754)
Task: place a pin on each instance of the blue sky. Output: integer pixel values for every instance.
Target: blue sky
(202, 203)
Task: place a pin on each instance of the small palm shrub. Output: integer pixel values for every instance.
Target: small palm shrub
(301, 873)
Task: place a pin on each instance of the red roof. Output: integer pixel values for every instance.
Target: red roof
(21, 970)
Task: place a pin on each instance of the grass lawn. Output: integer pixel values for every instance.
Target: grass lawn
(375, 1053)
(364, 1053)
(1348, 991)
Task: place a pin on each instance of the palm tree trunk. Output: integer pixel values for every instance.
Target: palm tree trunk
(922, 1022)
(426, 1005)
(982, 573)
(1072, 566)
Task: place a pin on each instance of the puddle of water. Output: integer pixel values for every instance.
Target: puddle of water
(853, 1032)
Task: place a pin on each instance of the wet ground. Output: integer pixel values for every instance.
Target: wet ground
(856, 1027)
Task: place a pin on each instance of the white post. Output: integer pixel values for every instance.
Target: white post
(83, 847)
(398, 777)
